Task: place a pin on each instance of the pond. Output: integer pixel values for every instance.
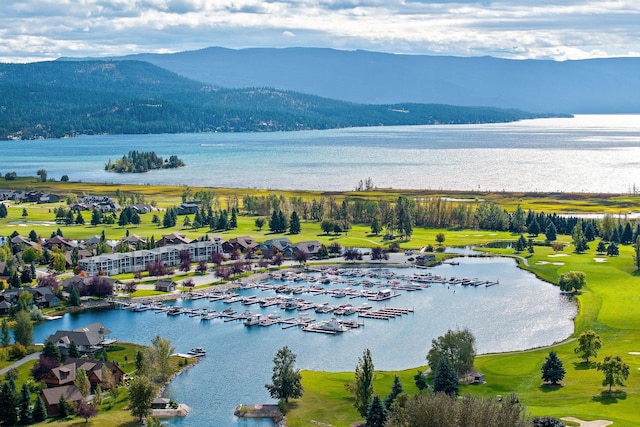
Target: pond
(519, 312)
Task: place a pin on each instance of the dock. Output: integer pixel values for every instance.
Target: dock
(385, 313)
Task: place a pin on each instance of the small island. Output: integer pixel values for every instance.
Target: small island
(139, 162)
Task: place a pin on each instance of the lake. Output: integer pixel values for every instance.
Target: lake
(520, 312)
(588, 153)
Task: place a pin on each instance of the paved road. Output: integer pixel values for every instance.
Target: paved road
(32, 356)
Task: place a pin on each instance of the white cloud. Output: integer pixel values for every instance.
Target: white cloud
(559, 29)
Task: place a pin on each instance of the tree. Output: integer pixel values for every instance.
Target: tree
(547, 422)
(42, 174)
(457, 346)
(141, 394)
(376, 413)
(161, 351)
(73, 350)
(445, 378)
(86, 410)
(602, 247)
(572, 281)
(59, 262)
(636, 252)
(440, 238)
(376, 227)
(10, 402)
(3, 211)
(363, 386)
(39, 413)
(23, 331)
(82, 382)
(612, 249)
(534, 228)
(552, 369)
(43, 366)
(286, 379)
(97, 396)
(396, 390)
(521, 243)
(259, 223)
(51, 350)
(551, 233)
(25, 404)
(294, 223)
(615, 371)
(588, 345)
(64, 407)
(24, 213)
(74, 296)
(5, 338)
(579, 239)
(421, 380)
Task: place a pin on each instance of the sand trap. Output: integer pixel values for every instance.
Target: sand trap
(600, 259)
(542, 262)
(596, 423)
(557, 263)
(557, 255)
(634, 353)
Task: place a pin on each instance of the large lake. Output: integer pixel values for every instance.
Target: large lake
(520, 312)
(588, 153)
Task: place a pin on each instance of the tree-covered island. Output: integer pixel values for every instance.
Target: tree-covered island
(144, 161)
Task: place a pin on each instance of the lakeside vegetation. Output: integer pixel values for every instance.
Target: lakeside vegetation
(142, 161)
(608, 304)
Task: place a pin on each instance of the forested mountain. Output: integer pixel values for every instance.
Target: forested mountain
(584, 86)
(66, 98)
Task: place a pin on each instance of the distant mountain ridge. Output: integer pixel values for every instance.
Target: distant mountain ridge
(608, 85)
(67, 98)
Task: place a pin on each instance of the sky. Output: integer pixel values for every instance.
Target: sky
(38, 30)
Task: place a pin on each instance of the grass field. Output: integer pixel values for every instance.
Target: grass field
(610, 304)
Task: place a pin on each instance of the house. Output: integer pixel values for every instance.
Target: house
(311, 247)
(188, 208)
(425, 259)
(243, 244)
(100, 203)
(142, 208)
(5, 306)
(160, 403)
(165, 285)
(43, 297)
(88, 339)
(282, 245)
(51, 397)
(80, 282)
(49, 198)
(95, 369)
(59, 242)
(174, 238)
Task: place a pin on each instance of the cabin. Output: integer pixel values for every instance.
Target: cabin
(165, 285)
(96, 373)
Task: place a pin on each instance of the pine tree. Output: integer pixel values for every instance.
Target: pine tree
(5, 337)
(39, 411)
(25, 401)
(51, 350)
(73, 350)
(550, 232)
(396, 390)
(420, 380)
(552, 370)
(294, 223)
(74, 296)
(376, 413)
(9, 406)
(445, 379)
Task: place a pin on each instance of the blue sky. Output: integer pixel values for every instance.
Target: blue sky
(36, 30)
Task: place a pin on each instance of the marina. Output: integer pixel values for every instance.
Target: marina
(522, 312)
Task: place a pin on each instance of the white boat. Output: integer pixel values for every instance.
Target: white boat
(252, 320)
(197, 352)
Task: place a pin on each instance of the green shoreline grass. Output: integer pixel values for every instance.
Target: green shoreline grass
(610, 304)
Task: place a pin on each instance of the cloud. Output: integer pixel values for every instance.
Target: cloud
(558, 29)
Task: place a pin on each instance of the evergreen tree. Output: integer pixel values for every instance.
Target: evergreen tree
(282, 222)
(51, 350)
(364, 383)
(615, 236)
(63, 407)
(590, 231)
(74, 296)
(521, 243)
(5, 337)
(421, 380)
(445, 379)
(396, 390)
(9, 405)
(613, 250)
(294, 223)
(579, 240)
(73, 350)
(33, 236)
(79, 218)
(25, 405)
(550, 232)
(233, 222)
(627, 234)
(552, 369)
(534, 228)
(3, 211)
(376, 228)
(39, 411)
(602, 247)
(96, 217)
(376, 413)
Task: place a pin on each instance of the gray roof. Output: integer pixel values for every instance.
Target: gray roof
(89, 335)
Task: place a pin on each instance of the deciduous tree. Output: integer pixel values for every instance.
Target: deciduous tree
(615, 371)
(286, 379)
(141, 394)
(23, 331)
(457, 346)
(588, 345)
(572, 281)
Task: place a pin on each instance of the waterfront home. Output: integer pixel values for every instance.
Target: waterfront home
(310, 247)
(129, 262)
(174, 238)
(88, 339)
(43, 297)
(280, 244)
(96, 373)
(242, 243)
(51, 397)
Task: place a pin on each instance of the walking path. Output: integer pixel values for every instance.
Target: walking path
(27, 358)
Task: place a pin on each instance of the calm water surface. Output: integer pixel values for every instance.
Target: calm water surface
(591, 153)
(521, 312)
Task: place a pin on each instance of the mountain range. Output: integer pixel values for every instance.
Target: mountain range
(67, 98)
(609, 85)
